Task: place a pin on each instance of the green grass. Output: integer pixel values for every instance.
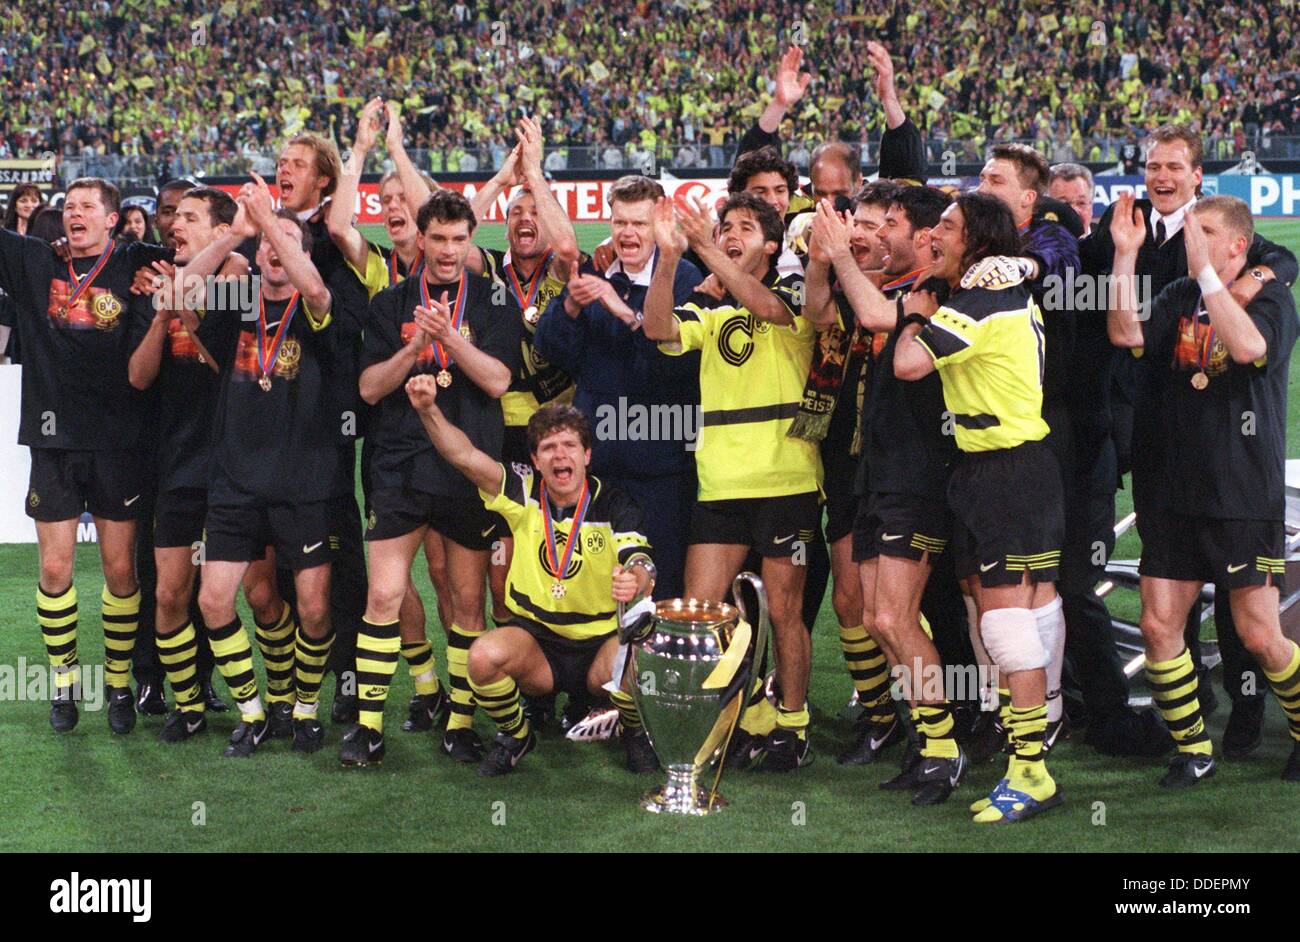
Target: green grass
(90, 791)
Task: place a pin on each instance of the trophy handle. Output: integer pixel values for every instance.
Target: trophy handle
(763, 626)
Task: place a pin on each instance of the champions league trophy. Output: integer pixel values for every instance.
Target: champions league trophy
(692, 667)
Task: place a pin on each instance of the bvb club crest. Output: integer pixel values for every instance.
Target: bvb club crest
(593, 542)
(287, 360)
(107, 309)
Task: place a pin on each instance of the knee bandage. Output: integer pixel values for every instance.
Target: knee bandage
(1012, 639)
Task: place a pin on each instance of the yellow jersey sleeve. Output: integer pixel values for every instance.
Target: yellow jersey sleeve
(510, 500)
(950, 337)
(375, 275)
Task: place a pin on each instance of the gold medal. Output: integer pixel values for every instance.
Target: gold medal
(443, 378)
(466, 332)
(531, 316)
(1200, 380)
(265, 383)
(62, 312)
(557, 590)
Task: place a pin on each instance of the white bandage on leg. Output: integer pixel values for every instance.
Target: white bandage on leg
(1051, 632)
(1011, 636)
(989, 688)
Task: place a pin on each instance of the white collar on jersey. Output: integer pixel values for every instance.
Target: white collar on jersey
(642, 277)
(306, 214)
(1174, 221)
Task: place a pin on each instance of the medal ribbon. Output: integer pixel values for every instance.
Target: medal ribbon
(1202, 359)
(265, 355)
(457, 315)
(394, 276)
(84, 282)
(558, 565)
(526, 299)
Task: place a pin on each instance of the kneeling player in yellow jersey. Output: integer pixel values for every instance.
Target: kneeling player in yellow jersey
(759, 486)
(986, 341)
(578, 551)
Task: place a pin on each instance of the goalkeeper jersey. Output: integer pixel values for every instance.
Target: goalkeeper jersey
(752, 375)
(610, 535)
(988, 344)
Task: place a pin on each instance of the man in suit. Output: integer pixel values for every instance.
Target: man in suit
(1173, 174)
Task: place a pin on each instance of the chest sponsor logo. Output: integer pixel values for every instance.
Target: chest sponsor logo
(735, 340)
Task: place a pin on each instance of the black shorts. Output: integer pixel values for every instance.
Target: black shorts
(178, 517)
(301, 533)
(1008, 515)
(772, 526)
(570, 660)
(905, 526)
(514, 447)
(65, 483)
(395, 512)
(840, 473)
(1235, 553)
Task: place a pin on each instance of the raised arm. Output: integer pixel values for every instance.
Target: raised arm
(1243, 340)
(1128, 231)
(790, 86)
(414, 188)
(886, 90)
(657, 315)
(555, 221)
(453, 444)
(870, 307)
(339, 220)
(297, 264)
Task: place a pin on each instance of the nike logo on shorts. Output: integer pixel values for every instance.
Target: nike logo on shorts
(313, 547)
(985, 567)
(128, 503)
(488, 531)
(1237, 568)
(784, 539)
(892, 536)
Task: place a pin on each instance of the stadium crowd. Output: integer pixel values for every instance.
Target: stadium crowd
(147, 78)
(898, 398)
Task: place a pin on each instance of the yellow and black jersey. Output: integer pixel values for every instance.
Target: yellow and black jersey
(383, 269)
(752, 375)
(536, 382)
(610, 535)
(987, 342)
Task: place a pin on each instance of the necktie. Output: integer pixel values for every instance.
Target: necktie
(1160, 232)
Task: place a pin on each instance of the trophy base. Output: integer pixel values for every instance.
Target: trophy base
(674, 799)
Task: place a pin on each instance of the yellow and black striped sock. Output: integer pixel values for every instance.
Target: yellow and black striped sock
(377, 650)
(935, 721)
(57, 616)
(759, 718)
(1004, 713)
(121, 619)
(310, 655)
(179, 654)
(500, 700)
(793, 720)
(870, 673)
(233, 656)
(1173, 688)
(276, 644)
(419, 661)
(1028, 773)
(628, 715)
(1287, 687)
(462, 697)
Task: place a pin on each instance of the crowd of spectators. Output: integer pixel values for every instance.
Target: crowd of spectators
(618, 82)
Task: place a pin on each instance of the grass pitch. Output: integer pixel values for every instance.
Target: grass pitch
(89, 791)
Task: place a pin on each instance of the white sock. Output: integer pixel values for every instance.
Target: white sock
(1051, 628)
(989, 687)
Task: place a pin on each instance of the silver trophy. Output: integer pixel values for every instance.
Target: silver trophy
(691, 673)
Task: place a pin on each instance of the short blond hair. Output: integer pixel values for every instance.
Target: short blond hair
(1234, 213)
